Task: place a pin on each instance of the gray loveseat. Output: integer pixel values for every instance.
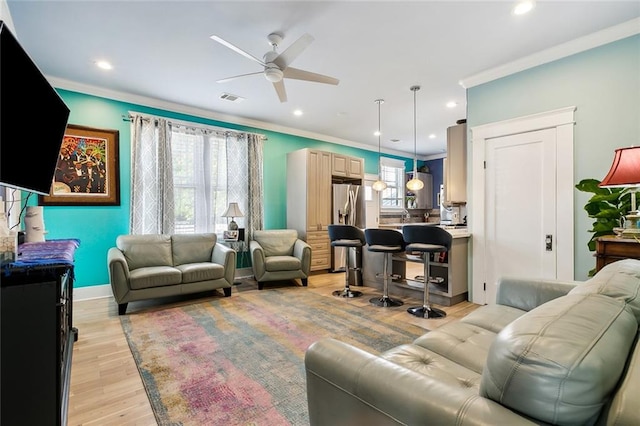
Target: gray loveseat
(547, 353)
(152, 265)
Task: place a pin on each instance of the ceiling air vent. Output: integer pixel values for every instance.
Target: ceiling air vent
(231, 98)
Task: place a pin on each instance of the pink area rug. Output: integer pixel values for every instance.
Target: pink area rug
(240, 360)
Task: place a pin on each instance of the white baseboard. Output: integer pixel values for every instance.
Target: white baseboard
(104, 290)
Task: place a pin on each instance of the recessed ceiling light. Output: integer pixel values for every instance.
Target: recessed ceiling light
(377, 133)
(432, 136)
(523, 7)
(104, 65)
(452, 104)
(297, 112)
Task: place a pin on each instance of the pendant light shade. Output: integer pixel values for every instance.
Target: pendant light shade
(379, 185)
(415, 184)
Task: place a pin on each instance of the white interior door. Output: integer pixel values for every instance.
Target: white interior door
(520, 196)
(372, 203)
(522, 191)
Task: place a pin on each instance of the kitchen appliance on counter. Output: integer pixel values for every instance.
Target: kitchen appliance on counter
(348, 208)
(453, 214)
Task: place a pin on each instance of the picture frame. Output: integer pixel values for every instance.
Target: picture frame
(230, 235)
(87, 171)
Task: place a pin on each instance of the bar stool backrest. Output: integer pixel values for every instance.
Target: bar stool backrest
(427, 235)
(346, 232)
(384, 237)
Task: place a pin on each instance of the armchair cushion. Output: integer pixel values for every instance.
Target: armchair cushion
(276, 242)
(282, 263)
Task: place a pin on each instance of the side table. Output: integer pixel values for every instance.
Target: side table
(610, 248)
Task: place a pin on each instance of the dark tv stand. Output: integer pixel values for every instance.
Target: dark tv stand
(37, 334)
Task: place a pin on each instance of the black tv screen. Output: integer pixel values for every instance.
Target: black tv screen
(33, 119)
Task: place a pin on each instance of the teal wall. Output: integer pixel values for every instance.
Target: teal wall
(98, 226)
(604, 85)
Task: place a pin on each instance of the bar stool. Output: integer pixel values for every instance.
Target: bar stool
(349, 237)
(387, 241)
(427, 240)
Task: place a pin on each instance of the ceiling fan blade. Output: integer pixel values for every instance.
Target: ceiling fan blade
(297, 74)
(282, 94)
(290, 53)
(237, 49)
(224, 80)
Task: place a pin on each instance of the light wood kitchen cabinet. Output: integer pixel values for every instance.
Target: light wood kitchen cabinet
(455, 165)
(309, 201)
(345, 166)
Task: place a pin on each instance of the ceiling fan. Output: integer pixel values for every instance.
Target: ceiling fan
(276, 66)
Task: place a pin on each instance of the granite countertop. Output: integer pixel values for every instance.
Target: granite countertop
(455, 231)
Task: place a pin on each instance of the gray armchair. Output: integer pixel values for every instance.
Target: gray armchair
(278, 254)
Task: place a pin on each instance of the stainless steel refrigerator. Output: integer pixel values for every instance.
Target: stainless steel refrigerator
(348, 208)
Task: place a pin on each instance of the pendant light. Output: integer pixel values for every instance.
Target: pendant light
(415, 184)
(379, 185)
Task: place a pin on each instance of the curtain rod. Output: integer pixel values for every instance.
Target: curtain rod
(192, 124)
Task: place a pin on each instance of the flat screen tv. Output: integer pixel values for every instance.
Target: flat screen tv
(33, 119)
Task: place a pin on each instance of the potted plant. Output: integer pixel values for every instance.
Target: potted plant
(607, 206)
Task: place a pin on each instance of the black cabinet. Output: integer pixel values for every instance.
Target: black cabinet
(37, 337)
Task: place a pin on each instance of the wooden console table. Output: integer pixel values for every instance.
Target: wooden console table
(37, 333)
(611, 248)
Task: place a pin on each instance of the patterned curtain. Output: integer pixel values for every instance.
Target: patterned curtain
(255, 210)
(220, 166)
(152, 207)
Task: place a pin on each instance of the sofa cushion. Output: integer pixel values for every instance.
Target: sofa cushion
(431, 364)
(493, 317)
(154, 276)
(619, 279)
(276, 242)
(560, 361)
(205, 271)
(145, 250)
(465, 344)
(282, 263)
(192, 248)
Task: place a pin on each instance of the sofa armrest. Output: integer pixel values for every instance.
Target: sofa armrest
(527, 294)
(118, 273)
(348, 386)
(257, 259)
(225, 256)
(302, 251)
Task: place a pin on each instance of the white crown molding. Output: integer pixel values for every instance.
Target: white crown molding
(609, 35)
(212, 115)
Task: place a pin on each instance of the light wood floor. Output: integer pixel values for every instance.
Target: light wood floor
(106, 388)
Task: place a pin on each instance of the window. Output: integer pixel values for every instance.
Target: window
(392, 172)
(184, 175)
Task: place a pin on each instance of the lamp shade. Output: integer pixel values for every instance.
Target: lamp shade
(625, 170)
(233, 211)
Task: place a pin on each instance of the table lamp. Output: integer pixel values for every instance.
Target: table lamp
(625, 173)
(233, 211)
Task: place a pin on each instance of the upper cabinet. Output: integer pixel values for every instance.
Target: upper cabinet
(345, 166)
(455, 166)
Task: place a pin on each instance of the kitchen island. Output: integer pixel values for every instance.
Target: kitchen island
(451, 272)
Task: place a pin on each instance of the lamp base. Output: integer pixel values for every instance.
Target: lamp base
(233, 226)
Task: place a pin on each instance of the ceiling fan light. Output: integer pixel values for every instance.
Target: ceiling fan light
(274, 75)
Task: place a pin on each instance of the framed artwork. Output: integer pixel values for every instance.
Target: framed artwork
(230, 235)
(87, 171)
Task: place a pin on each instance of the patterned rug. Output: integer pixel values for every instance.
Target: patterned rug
(240, 360)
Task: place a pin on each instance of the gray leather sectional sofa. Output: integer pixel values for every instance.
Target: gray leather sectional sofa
(548, 352)
(153, 265)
